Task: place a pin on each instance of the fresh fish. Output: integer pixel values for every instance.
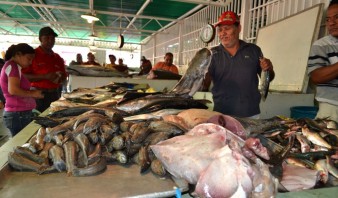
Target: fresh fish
(108, 132)
(93, 169)
(57, 156)
(21, 163)
(116, 156)
(75, 111)
(157, 168)
(93, 123)
(119, 142)
(257, 126)
(139, 134)
(39, 138)
(304, 143)
(153, 103)
(125, 126)
(25, 152)
(331, 168)
(171, 128)
(71, 149)
(83, 142)
(265, 83)
(93, 137)
(95, 154)
(321, 166)
(45, 150)
(315, 138)
(144, 159)
(193, 77)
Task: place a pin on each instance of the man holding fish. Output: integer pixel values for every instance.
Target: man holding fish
(234, 70)
(323, 66)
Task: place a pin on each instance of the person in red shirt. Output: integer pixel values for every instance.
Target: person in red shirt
(167, 65)
(47, 72)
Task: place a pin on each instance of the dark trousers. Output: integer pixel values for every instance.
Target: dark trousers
(16, 121)
(49, 97)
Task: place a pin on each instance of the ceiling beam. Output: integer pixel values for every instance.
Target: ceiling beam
(70, 8)
(4, 15)
(77, 26)
(218, 3)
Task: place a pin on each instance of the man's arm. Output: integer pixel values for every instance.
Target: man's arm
(324, 74)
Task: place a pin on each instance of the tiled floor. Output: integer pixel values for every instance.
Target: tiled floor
(4, 133)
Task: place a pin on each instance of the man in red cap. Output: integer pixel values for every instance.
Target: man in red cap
(47, 72)
(234, 70)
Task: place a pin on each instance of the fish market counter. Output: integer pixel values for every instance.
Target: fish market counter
(115, 181)
(92, 82)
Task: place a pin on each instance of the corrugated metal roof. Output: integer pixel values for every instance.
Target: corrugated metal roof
(135, 19)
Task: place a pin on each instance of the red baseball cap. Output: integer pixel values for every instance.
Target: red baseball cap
(227, 18)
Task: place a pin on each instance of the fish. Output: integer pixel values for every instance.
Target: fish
(71, 149)
(157, 168)
(139, 134)
(76, 111)
(108, 132)
(39, 138)
(25, 152)
(321, 166)
(45, 150)
(93, 123)
(157, 102)
(169, 127)
(92, 70)
(192, 80)
(144, 159)
(21, 163)
(57, 156)
(83, 142)
(315, 138)
(257, 126)
(304, 143)
(91, 170)
(116, 156)
(265, 84)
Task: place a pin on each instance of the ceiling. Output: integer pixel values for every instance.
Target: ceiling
(136, 20)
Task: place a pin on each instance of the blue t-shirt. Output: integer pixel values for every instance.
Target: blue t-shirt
(235, 80)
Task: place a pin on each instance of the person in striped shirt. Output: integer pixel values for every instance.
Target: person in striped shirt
(323, 66)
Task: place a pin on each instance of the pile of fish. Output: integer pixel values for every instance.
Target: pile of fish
(82, 145)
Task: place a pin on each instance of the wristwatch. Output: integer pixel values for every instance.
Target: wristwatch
(207, 33)
(120, 41)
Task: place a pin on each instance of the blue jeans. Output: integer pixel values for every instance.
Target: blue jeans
(16, 121)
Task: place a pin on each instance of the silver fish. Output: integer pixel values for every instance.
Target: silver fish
(193, 77)
(265, 84)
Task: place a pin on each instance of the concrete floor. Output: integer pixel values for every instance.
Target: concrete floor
(4, 132)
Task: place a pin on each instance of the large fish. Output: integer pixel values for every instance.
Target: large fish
(193, 77)
(153, 103)
(92, 70)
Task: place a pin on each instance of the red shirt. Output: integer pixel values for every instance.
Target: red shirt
(163, 66)
(44, 63)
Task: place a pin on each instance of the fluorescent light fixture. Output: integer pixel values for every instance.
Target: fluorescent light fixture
(90, 17)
